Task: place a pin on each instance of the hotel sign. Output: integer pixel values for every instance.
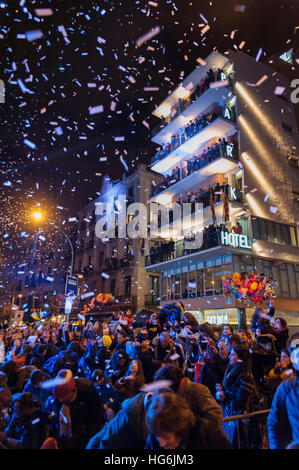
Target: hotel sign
(235, 240)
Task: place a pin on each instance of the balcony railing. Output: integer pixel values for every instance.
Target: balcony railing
(184, 104)
(168, 250)
(193, 167)
(184, 134)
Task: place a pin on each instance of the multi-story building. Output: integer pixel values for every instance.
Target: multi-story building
(116, 265)
(234, 126)
(37, 280)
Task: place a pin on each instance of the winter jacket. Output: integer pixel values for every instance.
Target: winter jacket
(239, 388)
(283, 419)
(201, 401)
(128, 429)
(87, 415)
(27, 433)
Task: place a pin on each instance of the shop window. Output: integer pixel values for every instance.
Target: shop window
(184, 285)
(199, 282)
(217, 271)
(270, 231)
(192, 284)
(208, 282)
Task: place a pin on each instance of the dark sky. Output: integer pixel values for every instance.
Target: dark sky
(52, 81)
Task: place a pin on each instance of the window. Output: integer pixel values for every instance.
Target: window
(284, 281)
(274, 232)
(199, 282)
(112, 286)
(208, 278)
(192, 284)
(217, 271)
(128, 285)
(287, 128)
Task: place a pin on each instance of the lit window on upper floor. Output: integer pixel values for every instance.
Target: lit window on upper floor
(287, 128)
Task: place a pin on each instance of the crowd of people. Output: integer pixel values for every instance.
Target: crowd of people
(200, 88)
(195, 163)
(164, 251)
(165, 385)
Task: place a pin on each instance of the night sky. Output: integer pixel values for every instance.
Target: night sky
(85, 56)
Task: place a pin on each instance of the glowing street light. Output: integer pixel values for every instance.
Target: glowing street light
(37, 215)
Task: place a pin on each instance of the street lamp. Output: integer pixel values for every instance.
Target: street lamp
(38, 216)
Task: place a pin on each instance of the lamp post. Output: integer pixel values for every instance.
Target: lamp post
(38, 216)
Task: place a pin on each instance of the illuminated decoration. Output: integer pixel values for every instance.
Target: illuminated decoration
(233, 195)
(287, 56)
(223, 76)
(227, 113)
(229, 150)
(255, 287)
(37, 316)
(235, 240)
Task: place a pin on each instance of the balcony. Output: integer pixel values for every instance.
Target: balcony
(170, 188)
(186, 109)
(181, 147)
(173, 254)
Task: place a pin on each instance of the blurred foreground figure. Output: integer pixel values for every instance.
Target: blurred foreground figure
(283, 419)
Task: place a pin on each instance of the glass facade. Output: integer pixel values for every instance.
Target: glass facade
(204, 279)
(286, 274)
(274, 232)
(195, 280)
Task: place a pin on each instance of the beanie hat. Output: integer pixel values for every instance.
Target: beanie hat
(107, 341)
(66, 384)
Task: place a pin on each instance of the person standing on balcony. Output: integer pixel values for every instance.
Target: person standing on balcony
(192, 128)
(209, 154)
(189, 166)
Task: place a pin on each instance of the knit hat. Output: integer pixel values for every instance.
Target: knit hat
(107, 341)
(65, 385)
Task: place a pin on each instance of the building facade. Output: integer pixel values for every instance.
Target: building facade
(116, 265)
(230, 126)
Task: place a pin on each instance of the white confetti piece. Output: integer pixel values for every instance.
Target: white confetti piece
(146, 37)
(96, 109)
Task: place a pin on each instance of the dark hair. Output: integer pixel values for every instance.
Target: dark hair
(191, 319)
(243, 354)
(172, 373)
(236, 338)
(169, 412)
(25, 399)
(282, 322)
(36, 376)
